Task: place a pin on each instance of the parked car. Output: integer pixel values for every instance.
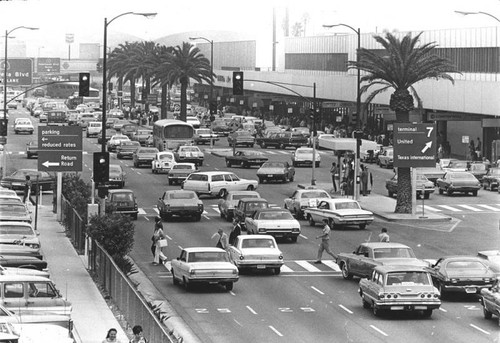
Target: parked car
(126, 149)
(461, 274)
(116, 176)
(276, 222)
(32, 294)
(16, 180)
(24, 125)
(23, 261)
(490, 299)
(193, 121)
(304, 156)
(144, 156)
(371, 254)
(217, 183)
(204, 265)
(228, 203)
(204, 136)
(180, 171)
(256, 252)
(246, 207)
(276, 171)
(21, 271)
(163, 162)
(122, 201)
(14, 211)
(479, 169)
(303, 199)
(20, 233)
(116, 141)
(141, 135)
(32, 149)
(241, 137)
(180, 203)
(189, 153)
(424, 186)
(246, 159)
(458, 182)
(386, 158)
(492, 179)
(339, 212)
(399, 288)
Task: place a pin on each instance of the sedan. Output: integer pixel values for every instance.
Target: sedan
(16, 180)
(281, 171)
(246, 159)
(462, 274)
(141, 136)
(126, 149)
(242, 137)
(23, 261)
(115, 141)
(144, 156)
(180, 171)
(23, 125)
(399, 288)
(32, 149)
(228, 203)
(490, 299)
(109, 133)
(258, 252)
(204, 265)
(424, 186)
(339, 212)
(180, 203)
(275, 222)
(304, 156)
(116, 176)
(492, 179)
(479, 169)
(461, 182)
(163, 162)
(303, 199)
(19, 233)
(14, 211)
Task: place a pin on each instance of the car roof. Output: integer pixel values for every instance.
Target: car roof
(242, 192)
(384, 245)
(461, 258)
(16, 277)
(489, 252)
(120, 191)
(399, 268)
(272, 209)
(170, 191)
(338, 200)
(243, 237)
(213, 172)
(201, 249)
(254, 199)
(14, 223)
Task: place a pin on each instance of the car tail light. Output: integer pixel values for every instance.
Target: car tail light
(242, 257)
(235, 271)
(34, 246)
(453, 280)
(192, 272)
(296, 229)
(281, 257)
(381, 296)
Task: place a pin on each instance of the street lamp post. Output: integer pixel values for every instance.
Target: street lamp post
(104, 83)
(211, 65)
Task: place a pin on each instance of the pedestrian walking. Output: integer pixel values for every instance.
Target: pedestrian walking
(325, 242)
(222, 241)
(235, 232)
(334, 171)
(138, 335)
(27, 190)
(366, 180)
(111, 336)
(158, 241)
(383, 236)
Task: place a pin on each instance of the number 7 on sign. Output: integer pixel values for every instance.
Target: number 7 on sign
(429, 130)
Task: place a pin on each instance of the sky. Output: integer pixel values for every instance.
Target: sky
(85, 18)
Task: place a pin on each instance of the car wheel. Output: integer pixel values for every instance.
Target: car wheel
(426, 195)
(222, 193)
(251, 145)
(311, 220)
(376, 311)
(197, 217)
(366, 304)
(245, 165)
(174, 280)
(170, 182)
(449, 192)
(122, 184)
(119, 156)
(294, 239)
(362, 226)
(228, 163)
(186, 284)
(441, 290)
(317, 164)
(346, 274)
(427, 313)
(134, 216)
(484, 186)
(200, 163)
(263, 145)
(250, 188)
(487, 314)
(474, 193)
(229, 286)
(440, 191)
(294, 164)
(277, 271)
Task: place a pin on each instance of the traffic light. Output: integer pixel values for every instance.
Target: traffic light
(83, 84)
(101, 167)
(237, 83)
(213, 107)
(3, 126)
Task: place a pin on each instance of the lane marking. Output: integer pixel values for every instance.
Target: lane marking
(378, 330)
(489, 207)
(275, 331)
(446, 207)
(346, 309)
(471, 208)
(145, 217)
(479, 329)
(442, 310)
(216, 210)
(251, 310)
(301, 235)
(317, 290)
(307, 266)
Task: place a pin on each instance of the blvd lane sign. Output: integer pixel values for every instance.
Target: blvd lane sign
(60, 148)
(414, 145)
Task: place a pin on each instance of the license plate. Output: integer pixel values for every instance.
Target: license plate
(470, 290)
(261, 266)
(269, 175)
(122, 204)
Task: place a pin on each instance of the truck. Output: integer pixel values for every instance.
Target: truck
(57, 117)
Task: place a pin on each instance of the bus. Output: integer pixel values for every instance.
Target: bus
(168, 134)
(65, 89)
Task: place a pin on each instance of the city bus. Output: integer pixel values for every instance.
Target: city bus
(168, 134)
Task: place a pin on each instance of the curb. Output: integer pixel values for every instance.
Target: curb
(411, 220)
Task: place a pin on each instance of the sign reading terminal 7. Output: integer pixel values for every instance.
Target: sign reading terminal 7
(414, 145)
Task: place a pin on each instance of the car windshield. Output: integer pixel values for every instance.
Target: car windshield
(473, 265)
(16, 230)
(393, 253)
(190, 149)
(166, 157)
(407, 278)
(147, 151)
(278, 215)
(463, 176)
(12, 209)
(478, 166)
(304, 151)
(314, 194)
(123, 197)
(255, 205)
(130, 143)
(241, 196)
(115, 168)
(347, 205)
(273, 165)
(182, 195)
(258, 243)
(208, 256)
(203, 132)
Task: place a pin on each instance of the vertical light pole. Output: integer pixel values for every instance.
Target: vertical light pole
(211, 65)
(104, 82)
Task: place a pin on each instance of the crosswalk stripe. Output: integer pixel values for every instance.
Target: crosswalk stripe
(271, 152)
(489, 207)
(156, 210)
(308, 266)
(285, 269)
(141, 211)
(429, 208)
(467, 207)
(446, 207)
(216, 210)
(332, 265)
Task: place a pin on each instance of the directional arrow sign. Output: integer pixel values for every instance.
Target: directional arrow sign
(414, 145)
(60, 138)
(59, 161)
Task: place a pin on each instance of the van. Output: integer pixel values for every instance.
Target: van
(93, 128)
(217, 183)
(26, 294)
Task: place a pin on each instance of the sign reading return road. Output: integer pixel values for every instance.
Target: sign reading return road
(414, 145)
(60, 148)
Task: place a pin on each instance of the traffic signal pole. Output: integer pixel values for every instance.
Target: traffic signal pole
(313, 178)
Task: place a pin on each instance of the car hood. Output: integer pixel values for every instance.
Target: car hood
(271, 171)
(212, 265)
(403, 262)
(353, 212)
(151, 156)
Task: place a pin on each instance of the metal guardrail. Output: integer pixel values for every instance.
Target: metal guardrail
(75, 226)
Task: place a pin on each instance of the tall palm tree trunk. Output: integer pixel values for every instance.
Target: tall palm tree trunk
(184, 85)
(404, 194)
(132, 92)
(163, 108)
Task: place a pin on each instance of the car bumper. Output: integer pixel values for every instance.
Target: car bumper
(278, 233)
(125, 153)
(144, 161)
(271, 176)
(184, 211)
(190, 159)
(20, 129)
(258, 264)
(206, 139)
(353, 221)
(129, 212)
(464, 188)
(214, 280)
(468, 289)
(408, 305)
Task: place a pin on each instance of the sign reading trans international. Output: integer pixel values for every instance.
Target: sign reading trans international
(19, 71)
(60, 148)
(414, 145)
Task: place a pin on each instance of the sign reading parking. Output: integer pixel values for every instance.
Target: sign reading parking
(414, 145)
(60, 148)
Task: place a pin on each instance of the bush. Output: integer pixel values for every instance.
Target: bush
(115, 232)
(77, 192)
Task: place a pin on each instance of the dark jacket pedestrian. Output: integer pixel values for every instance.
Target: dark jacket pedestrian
(27, 190)
(235, 232)
(334, 171)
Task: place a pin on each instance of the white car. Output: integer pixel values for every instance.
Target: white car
(258, 252)
(23, 125)
(189, 153)
(93, 128)
(163, 162)
(304, 156)
(303, 199)
(115, 140)
(204, 136)
(217, 183)
(193, 121)
(339, 212)
(276, 222)
(21, 233)
(180, 171)
(204, 265)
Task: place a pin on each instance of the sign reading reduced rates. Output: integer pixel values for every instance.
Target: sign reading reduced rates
(414, 145)
(60, 148)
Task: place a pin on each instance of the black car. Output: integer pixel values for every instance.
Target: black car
(109, 133)
(16, 180)
(7, 250)
(122, 201)
(246, 159)
(20, 261)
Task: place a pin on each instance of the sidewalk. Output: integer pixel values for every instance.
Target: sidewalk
(91, 315)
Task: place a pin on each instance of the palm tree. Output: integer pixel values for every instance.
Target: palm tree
(143, 54)
(159, 63)
(401, 66)
(120, 63)
(185, 63)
